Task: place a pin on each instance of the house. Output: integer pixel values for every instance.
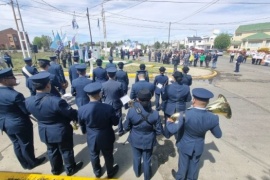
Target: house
(251, 37)
(9, 39)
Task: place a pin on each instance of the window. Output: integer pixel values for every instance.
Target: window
(10, 39)
(235, 47)
(255, 44)
(267, 44)
(15, 39)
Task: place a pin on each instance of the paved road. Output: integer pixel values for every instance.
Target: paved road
(242, 153)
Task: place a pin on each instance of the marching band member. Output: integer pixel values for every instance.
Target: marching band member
(96, 119)
(190, 142)
(144, 125)
(54, 116)
(15, 121)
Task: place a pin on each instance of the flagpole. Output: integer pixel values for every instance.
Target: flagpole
(89, 28)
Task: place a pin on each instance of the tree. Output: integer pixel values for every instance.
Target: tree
(37, 41)
(157, 45)
(45, 41)
(222, 41)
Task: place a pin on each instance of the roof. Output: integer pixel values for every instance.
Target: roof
(194, 38)
(253, 28)
(257, 36)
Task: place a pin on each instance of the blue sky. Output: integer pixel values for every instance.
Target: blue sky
(145, 21)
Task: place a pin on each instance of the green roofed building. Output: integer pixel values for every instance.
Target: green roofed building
(251, 36)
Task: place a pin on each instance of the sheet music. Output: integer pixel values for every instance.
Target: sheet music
(125, 99)
(159, 85)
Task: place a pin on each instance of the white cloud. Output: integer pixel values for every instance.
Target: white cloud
(40, 18)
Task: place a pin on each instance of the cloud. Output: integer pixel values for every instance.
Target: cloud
(143, 21)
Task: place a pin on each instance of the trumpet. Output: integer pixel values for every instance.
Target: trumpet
(75, 125)
(219, 107)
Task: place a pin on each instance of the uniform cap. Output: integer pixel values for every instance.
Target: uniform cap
(52, 58)
(41, 78)
(185, 69)
(110, 58)
(177, 75)
(111, 70)
(142, 66)
(120, 64)
(144, 95)
(27, 59)
(6, 72)
(202, 94)
(44, 61)
(81, 67)
(93, 88)
(98, 60)
(162, 69)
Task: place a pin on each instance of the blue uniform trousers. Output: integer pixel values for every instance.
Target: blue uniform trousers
(188, 166)
(119, 116)
(24, 148)
(108, 157)
(137, 156)
(59, 152)
(157, 98)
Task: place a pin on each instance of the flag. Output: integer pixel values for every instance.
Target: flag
(65, 40)
(86, 54)
(74, 23)
(73, 41)
(56, 42)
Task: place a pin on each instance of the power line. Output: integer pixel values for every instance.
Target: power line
(198, 2)
(197, 11)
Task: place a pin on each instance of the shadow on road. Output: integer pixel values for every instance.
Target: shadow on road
(207, 154)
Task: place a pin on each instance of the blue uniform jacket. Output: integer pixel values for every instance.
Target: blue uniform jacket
(57, 70)
(197, 122)
(100, 75)
(142, 135)
(175, 97)
(97, 119)
(110, 65)
(73, 72)
(146, 77)
(32, 70)
(112, 91)
(14, 118)
(160, 79)
(121, 76)
(78, 84)
(187, 79)
(56, 85)
(54, 116)
(141, 85)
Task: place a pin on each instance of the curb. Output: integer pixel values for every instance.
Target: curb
(133, 75)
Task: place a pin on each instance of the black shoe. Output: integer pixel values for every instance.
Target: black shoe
(114, 171)
(75, 169)
(98, 175)
(59, 171)
(174, 173)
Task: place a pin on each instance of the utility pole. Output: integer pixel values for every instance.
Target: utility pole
(89, 28)
(53, 34)
(104, 29)
(169, 34)
(18, 29)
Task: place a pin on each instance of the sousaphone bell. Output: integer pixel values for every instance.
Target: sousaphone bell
(219, 107)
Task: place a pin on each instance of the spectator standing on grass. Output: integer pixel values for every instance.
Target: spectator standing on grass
(214, 62)
(8, 60)
(202, 59)
(207, 59)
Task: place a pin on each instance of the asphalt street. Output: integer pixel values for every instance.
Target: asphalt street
(243, 152)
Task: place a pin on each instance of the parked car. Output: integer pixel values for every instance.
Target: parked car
(212, 51)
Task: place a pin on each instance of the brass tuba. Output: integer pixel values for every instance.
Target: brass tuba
(219, 106)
